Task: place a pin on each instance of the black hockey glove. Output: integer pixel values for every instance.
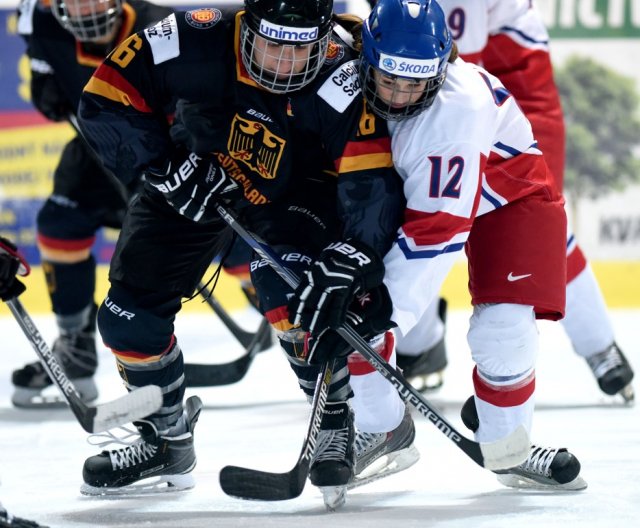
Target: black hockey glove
(48, 98)
(328, 287)
(12, 263)
(191, 184)
(369, 315)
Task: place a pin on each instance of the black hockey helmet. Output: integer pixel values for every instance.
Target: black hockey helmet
(88, 20)
(312, 14)
(284, 26)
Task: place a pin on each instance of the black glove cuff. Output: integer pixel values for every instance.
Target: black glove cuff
(16, 289)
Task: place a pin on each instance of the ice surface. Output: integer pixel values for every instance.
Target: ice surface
(260, 422)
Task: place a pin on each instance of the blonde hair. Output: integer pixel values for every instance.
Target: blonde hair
(454, 52)
(352, 24)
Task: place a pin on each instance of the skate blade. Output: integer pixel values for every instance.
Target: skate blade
(628, 395)
(334, 496)
(386, 465)
(33, 399)
(519, 482)
(426, 383)
(152, 486)
(50, 397)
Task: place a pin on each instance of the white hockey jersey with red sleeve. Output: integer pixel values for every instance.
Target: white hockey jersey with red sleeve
(470, 153)
(508, 38)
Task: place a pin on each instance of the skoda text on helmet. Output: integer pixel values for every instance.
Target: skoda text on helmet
(88, 20)
(405, 49)
(284, 42)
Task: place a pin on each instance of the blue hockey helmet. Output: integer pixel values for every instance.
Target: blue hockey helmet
(405, 51)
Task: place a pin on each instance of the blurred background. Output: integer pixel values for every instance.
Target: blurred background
(595, 45)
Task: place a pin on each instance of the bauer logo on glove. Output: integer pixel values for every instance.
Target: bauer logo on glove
(194, 186)
(351, 252)
(185, 170)
(343, 270)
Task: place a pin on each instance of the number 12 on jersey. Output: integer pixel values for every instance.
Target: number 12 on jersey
(445, 185)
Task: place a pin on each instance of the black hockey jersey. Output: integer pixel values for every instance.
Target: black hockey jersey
(52, 50)
(263, 140)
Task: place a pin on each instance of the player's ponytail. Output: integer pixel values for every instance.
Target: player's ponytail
(353, 25)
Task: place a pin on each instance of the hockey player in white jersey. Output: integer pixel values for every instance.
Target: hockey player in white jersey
(474, 179)
(509, 39)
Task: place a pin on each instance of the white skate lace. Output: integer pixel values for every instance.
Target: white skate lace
(132, 455)
(128, 437)
(332, 445)
(366, 442)
(136, 450)
(605, 361)
(539, 460)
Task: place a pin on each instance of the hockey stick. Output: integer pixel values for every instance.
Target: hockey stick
(248, 483)
(211, 375)
(93, 419)
(245, 338)
(505, 453)
(199, 375)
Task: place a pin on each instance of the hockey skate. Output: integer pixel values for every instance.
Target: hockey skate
(76, 353)
(613, 372)
(151, 464)
(379, 455)
(426, 370)
(333, 463)
(9, 521)
(546, 468)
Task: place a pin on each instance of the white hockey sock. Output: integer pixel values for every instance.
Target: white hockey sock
(504, 344)
(424, 335)
(498, 422)
(586, 321)
(376, 404)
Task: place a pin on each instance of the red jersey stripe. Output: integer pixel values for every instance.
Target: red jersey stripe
(108, 83)
(433, 228)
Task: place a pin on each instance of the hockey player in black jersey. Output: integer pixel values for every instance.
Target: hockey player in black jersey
(65, 43)
(282, 137)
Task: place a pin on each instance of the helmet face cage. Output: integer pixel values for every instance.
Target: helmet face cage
(284, 42)
(426, 88)
(405, 51)
(280, 67)
(88, 20)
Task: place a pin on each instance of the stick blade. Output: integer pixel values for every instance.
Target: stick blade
(135, 405)
(507, 452)
(212, 375)
(252, 484)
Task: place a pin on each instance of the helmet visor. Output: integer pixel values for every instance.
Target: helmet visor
(280, 66)
(396, 98)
